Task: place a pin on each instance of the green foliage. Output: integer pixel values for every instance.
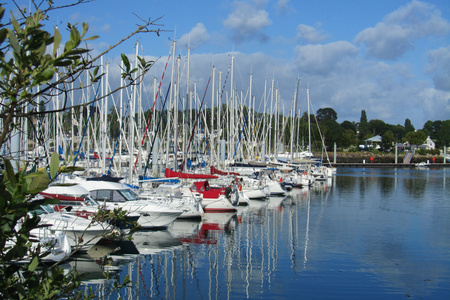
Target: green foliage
(387, 140)
(363, 126)
(415, 137)
(326, 114)
(444, 134)
(35, 66)
(408, 126)
(29, 280)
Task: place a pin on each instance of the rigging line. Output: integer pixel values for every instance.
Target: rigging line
(151, 113)
(157, 129)
(117, 141)
(86, 126)
(240, 135)
(204, 136)
(195, 124)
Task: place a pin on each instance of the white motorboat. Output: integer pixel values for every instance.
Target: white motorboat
(75, 199)
(174, 196)
(112, 194)
(82, 233)
(216, 199)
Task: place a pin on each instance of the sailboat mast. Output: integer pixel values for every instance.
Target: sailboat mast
(211, 147)
(309, 123)
(168, 110)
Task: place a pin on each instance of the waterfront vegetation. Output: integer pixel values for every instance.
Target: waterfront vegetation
(34, 67)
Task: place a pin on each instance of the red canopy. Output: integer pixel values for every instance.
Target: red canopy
(217, 171)
(169, 173)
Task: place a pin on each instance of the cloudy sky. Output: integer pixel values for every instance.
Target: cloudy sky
(390, 58)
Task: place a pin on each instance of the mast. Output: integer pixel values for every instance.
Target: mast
(104, 117)
(131, 128)
(120, 123)
(294, 115)
(168, 111)
(186, 103)
(309, 123)
(175, 118)
(212, 116)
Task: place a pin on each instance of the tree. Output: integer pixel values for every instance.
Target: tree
(324, 114)
(348, 125)
(34, 67)
(416, 137)
(377, 127)
(387, 139)
(409, 126)
(363, 126)
(347, 138)
(444, 134)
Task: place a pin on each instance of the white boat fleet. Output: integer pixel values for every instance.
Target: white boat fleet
(71, 224)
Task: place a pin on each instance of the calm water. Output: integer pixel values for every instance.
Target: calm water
(365, 234)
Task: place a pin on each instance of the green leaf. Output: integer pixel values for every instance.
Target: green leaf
(71, 169)
(47, 74)
(57, 41)
(85, 29)
(3, 34)
(75, 36)
(13, 41)
(33, 264)
(39, 182)
(10, 173)
(62, 63)
(15, 24)
(126, 62)
(41, 50)
(54, 164)
(94, 37)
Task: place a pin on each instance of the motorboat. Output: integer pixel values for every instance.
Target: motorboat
(82, 233)
(216, 199)
(174, 196)
(76, 200)
(113, 194)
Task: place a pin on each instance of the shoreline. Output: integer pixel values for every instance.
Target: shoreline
(368, 159)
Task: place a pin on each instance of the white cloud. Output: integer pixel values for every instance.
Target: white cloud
(247, 22)
(439, 67)
(394, 36)
(195, 38)
(323, 59)
(283, 6)
(309, 34)
(436, 104)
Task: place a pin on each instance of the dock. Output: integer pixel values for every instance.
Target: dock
(387, 165)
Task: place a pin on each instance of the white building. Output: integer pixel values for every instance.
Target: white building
(428, 145)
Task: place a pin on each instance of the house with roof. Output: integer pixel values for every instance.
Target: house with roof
(428, 145)
(374, 142)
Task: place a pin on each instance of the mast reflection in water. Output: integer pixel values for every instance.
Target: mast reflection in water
(368, 233)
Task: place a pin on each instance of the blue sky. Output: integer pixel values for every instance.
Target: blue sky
(388, 57)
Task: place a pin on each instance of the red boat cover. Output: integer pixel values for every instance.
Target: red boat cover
(61, 197)
(217, 171)
(208, 192)
(169, 173)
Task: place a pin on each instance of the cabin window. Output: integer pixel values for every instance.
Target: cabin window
(117, 196)
(103, 195)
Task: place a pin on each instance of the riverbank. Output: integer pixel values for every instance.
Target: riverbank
(382, 159)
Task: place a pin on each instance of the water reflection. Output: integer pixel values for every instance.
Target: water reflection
(377, 233)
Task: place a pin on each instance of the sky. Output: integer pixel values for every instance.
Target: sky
(390, 58)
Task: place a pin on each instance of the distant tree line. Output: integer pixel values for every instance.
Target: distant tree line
(347, 134)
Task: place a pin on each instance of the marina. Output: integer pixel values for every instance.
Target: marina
(372, 233)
